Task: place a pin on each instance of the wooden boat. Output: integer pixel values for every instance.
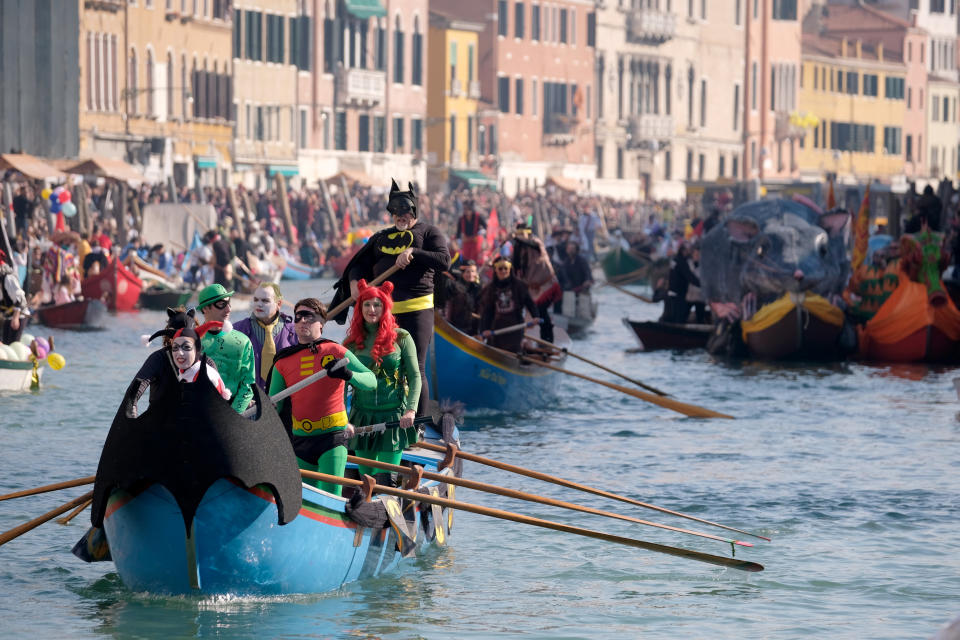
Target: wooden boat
(625, 265)
(80, 315)
(462, 368)
(160, 298)
(17, 375)
(654, 335)
(801, 326)
(213, 532)
(116, 285)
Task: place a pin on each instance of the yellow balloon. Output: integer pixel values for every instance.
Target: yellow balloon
(56, 361)
(45, 194)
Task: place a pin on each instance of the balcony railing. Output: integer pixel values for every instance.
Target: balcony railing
(649, 128)
(362, 87)
(558, 129)
(651, 26)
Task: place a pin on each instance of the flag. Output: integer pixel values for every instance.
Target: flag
(861, 232)
(831, 199)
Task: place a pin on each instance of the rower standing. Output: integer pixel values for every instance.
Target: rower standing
(502, 303)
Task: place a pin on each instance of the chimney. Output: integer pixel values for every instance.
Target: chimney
(859, 48)
(879, 52)
(843, 48)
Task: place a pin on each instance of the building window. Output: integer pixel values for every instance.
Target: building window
(417, 53)
(502, 17)
(619, 163)
(753, 86)
(132, 92)
(398, 53)
(667, 165)
(784, 9)
(533, 97)
(503, 94)
(703, 102)
(753, 152)
(853, 83)
(721, 165)
(470, 56)
(453, 134)
(453, 63)
(736, 13)
(340, 131)
(379, 134)
(736, 107)
(701, 166)
(563, 26)
(689, 165)
(518, 89)
(363, 137)
(518, 23)
(891, 141)
(398, 135)
(535, 22)
(735, 167)
(592, 29)
(909, 149)
(170, 81)
(304, 130)
(416, 134)
(469, 136)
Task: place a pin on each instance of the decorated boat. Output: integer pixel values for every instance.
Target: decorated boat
(797, 325)
(193, 498)
(296, 270)
(116, 286)
(160, 298)
(464, 369)
(655, 335)
(18, 375)
(80, 315)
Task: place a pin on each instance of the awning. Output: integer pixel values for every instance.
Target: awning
(364, 9)
(286, 170)
(29, 166)
(107, 168)
(352, 176)
(473, 178)
(206, 162)
(565, 184)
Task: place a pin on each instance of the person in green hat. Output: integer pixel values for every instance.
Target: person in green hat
(229, 349)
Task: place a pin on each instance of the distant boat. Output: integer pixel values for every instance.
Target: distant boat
(160, 298)
(299, 271)
(116, 285)
(80, 315)
(655, 335)
(17, 375)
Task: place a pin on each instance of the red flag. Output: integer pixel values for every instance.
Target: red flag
(831, 199)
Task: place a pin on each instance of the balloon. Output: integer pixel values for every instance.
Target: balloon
(45, 194)
(64, 196)
(69, 209)
(6, 353)
(53, 197)
(20, 350)
(42, 342)
(56, 361)
(27, 338)
(55, 206)
(59, 190)
(42, 351)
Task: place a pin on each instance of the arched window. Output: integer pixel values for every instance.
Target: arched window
(417, 53)
(151, 98)
(398, 48)
(132, 88)
(170, 77)
(184, 87)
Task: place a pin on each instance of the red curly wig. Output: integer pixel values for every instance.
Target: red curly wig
(386, 334)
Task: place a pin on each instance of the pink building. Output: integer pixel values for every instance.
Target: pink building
(536, 68)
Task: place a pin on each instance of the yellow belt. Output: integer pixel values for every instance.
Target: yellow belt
(309, 427)
(414, 304)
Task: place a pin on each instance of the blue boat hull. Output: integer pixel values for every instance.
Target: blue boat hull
(299, 271)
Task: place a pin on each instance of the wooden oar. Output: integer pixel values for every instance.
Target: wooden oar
(629, 276)
(720, 561)
(630, 293)
(530, 473)
(73, 514)
(510, 329)
(691, 410)
(600, 366)
(530, 497)
(16, 532)
(333, 313)
(50, 487)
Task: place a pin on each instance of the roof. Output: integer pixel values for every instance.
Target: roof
(29, 166)
(106, 168)
(867, 24)
(831, 45)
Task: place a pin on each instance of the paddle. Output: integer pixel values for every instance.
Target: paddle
(530, 497)
(73, 514)
(530, 473)
(380, 427)
(289, 391)
(16, 532)
(625, 278)
(50, 487)
(333, 313)
(691, 410)
(630, 293)
(720, 561)
(514, 327)
(600, 366)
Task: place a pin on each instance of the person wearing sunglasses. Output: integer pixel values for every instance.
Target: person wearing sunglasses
(316, 416)
(227, 347)
(501, 305)
(420, 250)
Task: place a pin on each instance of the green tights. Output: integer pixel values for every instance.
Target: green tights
(332, 462)
(391, 457)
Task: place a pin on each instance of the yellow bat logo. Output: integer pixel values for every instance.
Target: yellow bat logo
(397, 242)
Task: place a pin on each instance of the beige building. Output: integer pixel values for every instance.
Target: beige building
(155, 86)
(670, 106)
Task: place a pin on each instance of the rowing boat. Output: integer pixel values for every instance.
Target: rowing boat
(116, 285)
(80, 315)
(668, 335)
(160, 298)
(464, 369)
(16, 375)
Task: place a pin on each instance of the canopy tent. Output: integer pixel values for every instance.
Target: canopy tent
(365, 9)
(29, 166)
(565, 184)
(473, 178)
(174, 225)
(351, 176)
(107, 168)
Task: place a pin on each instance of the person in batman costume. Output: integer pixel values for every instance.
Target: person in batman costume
(420, 250)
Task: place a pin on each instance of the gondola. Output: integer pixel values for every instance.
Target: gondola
(80, 315)
(654, 335)
(160, 298)
(116, 285)
(462, 368)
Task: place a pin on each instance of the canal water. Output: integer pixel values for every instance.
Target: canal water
(852, 470)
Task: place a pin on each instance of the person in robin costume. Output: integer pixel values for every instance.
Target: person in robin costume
(420, 250)
(269, 330)
(315, 416)
(229, 348)
(389, 352)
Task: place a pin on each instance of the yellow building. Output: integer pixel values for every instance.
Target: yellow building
(155, 87)
(453, 97)
(851, 112)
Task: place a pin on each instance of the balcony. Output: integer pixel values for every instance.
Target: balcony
(650, 26)
(474, 92)
(361, 87)
(558, 129)
(793, 125)
(104, 5)
(456, 88)
(648, 130)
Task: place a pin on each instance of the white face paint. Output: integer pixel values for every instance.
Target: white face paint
(265, 304)
(184, 352)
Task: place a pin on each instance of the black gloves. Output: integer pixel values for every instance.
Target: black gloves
(339, 370)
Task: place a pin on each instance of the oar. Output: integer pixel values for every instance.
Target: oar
(380, 427)
(289, 391)
(73, 514)
(691, 410)
(530, 497)
(50, 487)
(333, 313)
(600, 366)
(628, 277)
(16, 532)
(630, 293)
(720, 561)
(510, 329)
(530, 473)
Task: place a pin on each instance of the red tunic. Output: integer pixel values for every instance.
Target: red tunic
(319, 407)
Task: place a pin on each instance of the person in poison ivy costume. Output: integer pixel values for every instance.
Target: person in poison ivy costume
(315, 416)
(228, 348)
(390, 353)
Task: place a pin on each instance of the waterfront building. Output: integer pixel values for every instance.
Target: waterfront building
(155, 86)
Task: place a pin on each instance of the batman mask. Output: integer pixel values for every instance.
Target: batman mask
(401, 202)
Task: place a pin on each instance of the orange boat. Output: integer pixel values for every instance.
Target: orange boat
(116, 286)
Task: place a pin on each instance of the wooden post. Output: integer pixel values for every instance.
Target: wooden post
(241, 223)
(83, 215)
(172, 186)
(120, 212)
(135, 208)
(349, 201)
(285, 207)
(331, 217)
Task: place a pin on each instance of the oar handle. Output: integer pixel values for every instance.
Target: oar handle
(514, 327)
(383, 426)
(289, 391)
(333, 313)
(631, 293)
